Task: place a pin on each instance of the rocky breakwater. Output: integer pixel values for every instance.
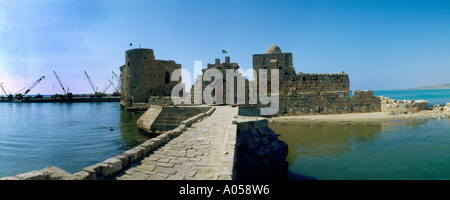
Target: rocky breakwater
(260, 155)
(393, 106)
(440, 111)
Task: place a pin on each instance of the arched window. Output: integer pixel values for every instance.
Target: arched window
(167, 78)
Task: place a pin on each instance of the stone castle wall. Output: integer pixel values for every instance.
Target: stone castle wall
(365, 101)
(328, 102)
(302, 93)
(259, 155)
(201, 84)
(143, 81)
(315, 82)
(142, 76)
(315, 93)
(301, 103)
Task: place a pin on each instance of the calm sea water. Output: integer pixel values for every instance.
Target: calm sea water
(437, 96)
(408, 150)
(401, 150)
(70, 136)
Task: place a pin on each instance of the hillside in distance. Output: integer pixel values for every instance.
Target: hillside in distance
(439, 86)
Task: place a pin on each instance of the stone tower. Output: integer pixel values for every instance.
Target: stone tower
(142, 76)
(274, 59)
(222, 83)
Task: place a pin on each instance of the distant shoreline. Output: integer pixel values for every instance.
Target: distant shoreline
(431, 87)
(411, 89)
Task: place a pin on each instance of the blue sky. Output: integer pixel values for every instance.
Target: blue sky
(382, 44)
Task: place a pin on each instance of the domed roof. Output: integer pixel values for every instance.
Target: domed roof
(273, 49)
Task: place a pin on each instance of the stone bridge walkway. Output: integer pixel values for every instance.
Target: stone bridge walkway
(196, 154)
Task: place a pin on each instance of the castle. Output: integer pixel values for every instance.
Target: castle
(147, 81)
(142, 77)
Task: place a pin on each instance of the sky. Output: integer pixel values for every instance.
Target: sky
(381, 44)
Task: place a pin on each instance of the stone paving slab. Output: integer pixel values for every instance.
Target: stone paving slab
(194, 155)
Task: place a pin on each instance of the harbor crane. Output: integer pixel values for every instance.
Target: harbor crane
(20, 95)
(96, 93)
(117, 89)
(5, 91)
(90, 82)
(66, 92)
(106, 88)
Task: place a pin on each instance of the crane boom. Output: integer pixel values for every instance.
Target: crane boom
(60, 82)
(118, 81)
(90, 82)
(116, 89)
(4, 89)
(106, 88)
(34, 85)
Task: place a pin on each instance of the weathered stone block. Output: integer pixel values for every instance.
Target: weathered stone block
(141, 151)
(148, 145)
(81, 175)
(113, 165)
(55, 173)
(132, 155)
(182, 127)
(95, 170)
(123, 158)
(33, 175)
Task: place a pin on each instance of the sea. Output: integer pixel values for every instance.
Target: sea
(396, 150)
(72, 136)
(434, 96)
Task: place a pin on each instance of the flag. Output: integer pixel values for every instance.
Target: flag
(224, 51)
(131, 44)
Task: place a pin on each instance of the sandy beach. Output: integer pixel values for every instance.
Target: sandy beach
(364, 117)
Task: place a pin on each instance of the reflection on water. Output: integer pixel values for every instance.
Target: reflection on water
(130, 134)
(384, 150)
(321, 139)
